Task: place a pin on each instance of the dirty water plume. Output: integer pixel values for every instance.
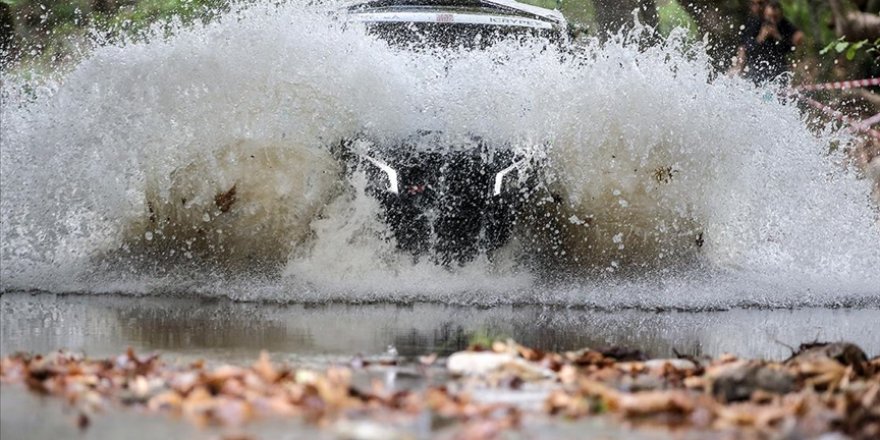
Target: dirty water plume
(198, 162)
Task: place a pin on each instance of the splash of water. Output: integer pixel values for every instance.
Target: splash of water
(151, 164)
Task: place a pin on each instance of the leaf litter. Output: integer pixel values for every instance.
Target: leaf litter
(484, 392)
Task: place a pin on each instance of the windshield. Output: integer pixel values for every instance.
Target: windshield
(453, 35)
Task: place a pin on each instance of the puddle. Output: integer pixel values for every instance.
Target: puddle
(227, 331)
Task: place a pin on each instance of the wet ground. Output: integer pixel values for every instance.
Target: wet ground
(185, 329)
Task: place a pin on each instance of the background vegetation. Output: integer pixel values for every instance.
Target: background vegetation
(45, 32)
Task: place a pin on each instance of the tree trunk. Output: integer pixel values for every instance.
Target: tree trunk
(614, 15)
(855, 25)
(7, 32)
(721, 20)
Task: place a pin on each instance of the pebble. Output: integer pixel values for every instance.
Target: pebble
(477, 363)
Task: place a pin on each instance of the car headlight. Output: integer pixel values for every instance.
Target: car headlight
(499, 177)
(390, 172)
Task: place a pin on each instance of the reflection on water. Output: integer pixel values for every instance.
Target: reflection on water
(229, 331)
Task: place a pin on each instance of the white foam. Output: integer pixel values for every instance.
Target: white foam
(649, 152)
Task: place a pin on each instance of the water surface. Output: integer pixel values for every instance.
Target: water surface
(226, 331)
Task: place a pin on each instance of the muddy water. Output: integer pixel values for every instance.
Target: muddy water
(648, 148)
(227, 331)
(111, 172)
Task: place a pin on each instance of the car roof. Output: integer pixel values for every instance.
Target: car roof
(501, 7)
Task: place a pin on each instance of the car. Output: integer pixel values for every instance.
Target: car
(448, 199)
(472, 24)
